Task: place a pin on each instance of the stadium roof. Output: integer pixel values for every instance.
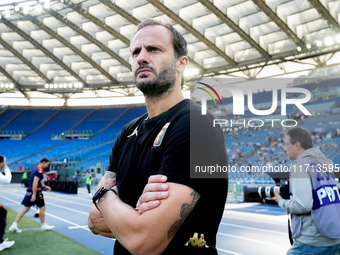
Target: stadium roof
(68, 50)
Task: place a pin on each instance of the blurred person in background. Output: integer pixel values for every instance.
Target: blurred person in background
(4, 179)
(24, 178)
(34, 196)
(314, 204)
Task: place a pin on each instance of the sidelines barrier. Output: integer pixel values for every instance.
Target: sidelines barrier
(235, 192)
(70, 187)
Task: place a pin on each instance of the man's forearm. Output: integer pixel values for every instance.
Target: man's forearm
(123, 221)
(108, 180)
(150, 232)
(96, 222)
(302, 201)
(34, 188)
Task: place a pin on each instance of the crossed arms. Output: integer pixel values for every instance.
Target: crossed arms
(149, 232)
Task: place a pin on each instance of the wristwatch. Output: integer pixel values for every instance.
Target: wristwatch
(100, 192)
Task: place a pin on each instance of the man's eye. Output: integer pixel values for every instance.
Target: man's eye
(135, 52)
(154, 49)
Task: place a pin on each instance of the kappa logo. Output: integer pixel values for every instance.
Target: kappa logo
(159, 137)
(194, 241)
(133, 133)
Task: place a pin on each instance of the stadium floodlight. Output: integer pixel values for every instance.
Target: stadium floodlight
(51, 86)
(329, 41)
(55, 85)
(46, 86)
(11, 86)
(70, 85)
(38, 8)
(16, 8)
(80, 85)
(2, 85)
(7, 13)
(319, 43)
(60, 85)
(26, 9)
(6, 85)
(190, 72)
(65, 85)
(298, 48)
(337, 38)
(47, 4)
(308, 46)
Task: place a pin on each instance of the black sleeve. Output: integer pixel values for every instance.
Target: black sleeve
(193, 141)
(113, 160)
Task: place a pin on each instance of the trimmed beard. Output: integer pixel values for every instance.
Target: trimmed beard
(160, 84)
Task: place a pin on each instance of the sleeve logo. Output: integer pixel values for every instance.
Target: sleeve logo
(159, 137)
(194, 241)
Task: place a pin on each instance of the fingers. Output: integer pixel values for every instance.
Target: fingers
(148, 206)
(154, 187)
(151, 196)
(157, 178)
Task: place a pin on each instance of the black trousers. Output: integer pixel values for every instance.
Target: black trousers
(3, 214)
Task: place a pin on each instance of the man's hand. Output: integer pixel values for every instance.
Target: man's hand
(33, 198)
(47, 188)
(154, 191)
(277, 197)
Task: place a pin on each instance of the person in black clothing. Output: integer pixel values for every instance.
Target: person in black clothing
(173, 140)
(34, 196)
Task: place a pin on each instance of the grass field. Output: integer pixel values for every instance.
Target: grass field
(37, 242)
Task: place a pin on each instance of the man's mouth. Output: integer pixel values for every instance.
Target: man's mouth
(144, 71)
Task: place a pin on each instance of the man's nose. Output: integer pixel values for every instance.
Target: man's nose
(143, 57)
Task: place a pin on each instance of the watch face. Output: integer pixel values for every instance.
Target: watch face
(96, 195)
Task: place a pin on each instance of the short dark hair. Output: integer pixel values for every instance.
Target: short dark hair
(2, 158)
(44, 160)
(302, 135)
(179, 43)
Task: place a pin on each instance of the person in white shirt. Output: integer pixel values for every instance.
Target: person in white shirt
(4, 179)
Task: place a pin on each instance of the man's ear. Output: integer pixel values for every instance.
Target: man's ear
(298, 145)
(182, 63)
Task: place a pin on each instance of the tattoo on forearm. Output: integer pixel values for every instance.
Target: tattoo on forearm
(110, 175)
(185, 210)
(93, 230)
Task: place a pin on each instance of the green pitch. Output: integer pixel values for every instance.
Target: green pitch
(37, 242)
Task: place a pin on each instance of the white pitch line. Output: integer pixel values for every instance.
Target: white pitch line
(244, 238)
(65, 200)
(67, 221)
(259, 221)
(51, 215)
(66, 208)
(256, 229)
(253, 210)
(60, 206)
(230, 252)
